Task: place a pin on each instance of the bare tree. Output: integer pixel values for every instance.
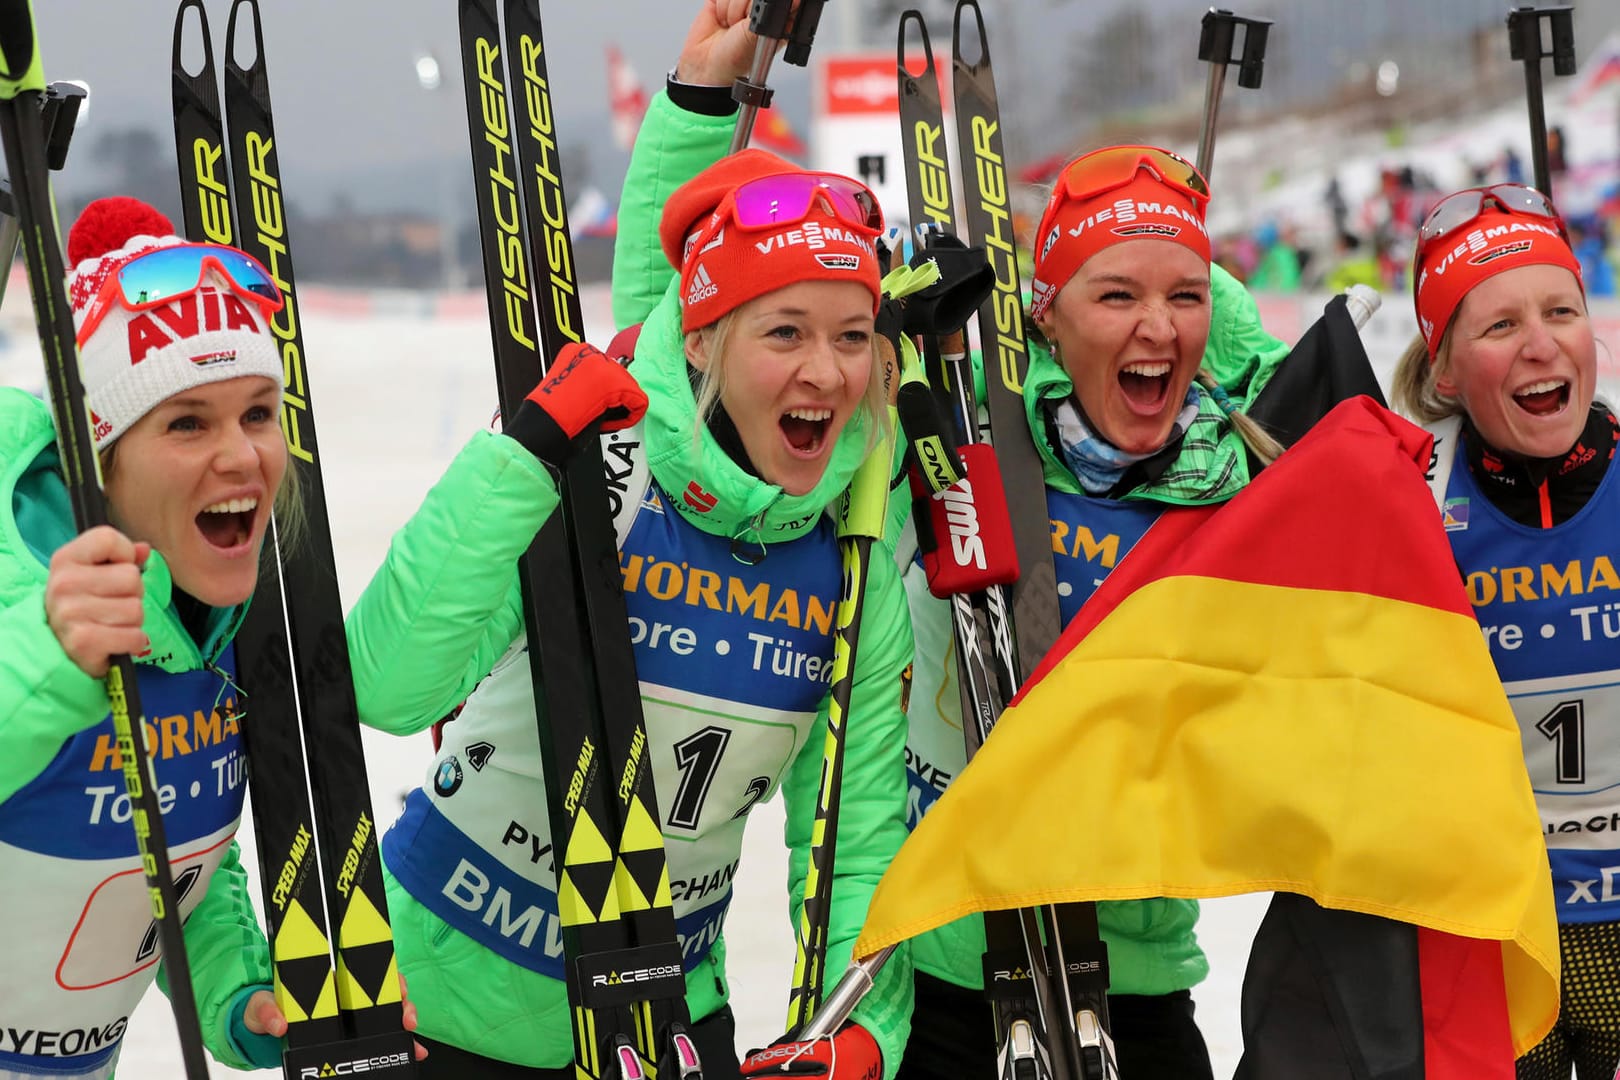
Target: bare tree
(137, 162)
(1119, 65)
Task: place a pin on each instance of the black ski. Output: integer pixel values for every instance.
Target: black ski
(1023, 1047)
(1076, 952)
(335, 972)
(1046, 972)
(622, 955)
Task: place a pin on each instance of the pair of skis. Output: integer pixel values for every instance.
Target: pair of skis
(1045, 970)
(623, 959)
(336, 978)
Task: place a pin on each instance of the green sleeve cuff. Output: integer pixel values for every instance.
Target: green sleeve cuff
(260, 1051)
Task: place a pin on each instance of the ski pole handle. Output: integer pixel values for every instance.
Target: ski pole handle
(774, 21)
(60, 113)
(769, 20)
(1217, 35)
(804, 33)
(842, 999)
(1524, 44)
(1363, 301)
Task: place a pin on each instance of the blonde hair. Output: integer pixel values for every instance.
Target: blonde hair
(715, 341)
(1412, 389)
(1259, 441)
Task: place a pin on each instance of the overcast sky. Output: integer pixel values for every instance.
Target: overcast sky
(343, 77)
(350, 112)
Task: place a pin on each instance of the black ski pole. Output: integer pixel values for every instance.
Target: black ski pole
(774, 21)
(1216, 40)
(1524, 44)
(22, 85)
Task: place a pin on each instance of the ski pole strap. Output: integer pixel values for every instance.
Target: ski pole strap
(21, 67)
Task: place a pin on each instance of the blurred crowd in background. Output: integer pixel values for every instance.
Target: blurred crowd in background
(1371, 240)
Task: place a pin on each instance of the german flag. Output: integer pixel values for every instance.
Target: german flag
(1288, 693)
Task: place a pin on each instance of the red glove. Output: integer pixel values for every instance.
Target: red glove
(852, 1054)
(583, 391)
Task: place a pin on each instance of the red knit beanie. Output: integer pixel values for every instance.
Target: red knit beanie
(1498, 239)
(724, 265)
(1072, 230)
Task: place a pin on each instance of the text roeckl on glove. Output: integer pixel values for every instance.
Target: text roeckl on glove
(852, 1054)
(582, 392)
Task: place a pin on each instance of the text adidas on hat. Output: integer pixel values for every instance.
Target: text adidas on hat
(702, 286)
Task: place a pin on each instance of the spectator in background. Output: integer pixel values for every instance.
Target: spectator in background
(1237, 254)
(1338, 206)
(1278, 268)
(1557, 151)
(1588, 238)
(1352, 265)
(1512, 166)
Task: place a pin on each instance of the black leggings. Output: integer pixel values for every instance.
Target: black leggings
(953, 1035)
(715, 1036)
(1587, 1035)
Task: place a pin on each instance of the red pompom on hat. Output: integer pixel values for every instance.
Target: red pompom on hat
(108, 224)
(134, 360)
(732, 266)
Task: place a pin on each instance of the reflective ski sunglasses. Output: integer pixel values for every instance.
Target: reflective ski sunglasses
(1455, 211)
(165, 274)
(1116, 166)
(787, 198)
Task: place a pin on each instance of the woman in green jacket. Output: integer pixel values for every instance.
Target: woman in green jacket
(1184, 451)
(193, 459)
(756, 367)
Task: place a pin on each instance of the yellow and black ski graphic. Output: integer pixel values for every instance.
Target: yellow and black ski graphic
(336, 976)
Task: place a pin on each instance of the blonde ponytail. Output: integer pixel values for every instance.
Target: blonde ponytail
(1256, 438)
